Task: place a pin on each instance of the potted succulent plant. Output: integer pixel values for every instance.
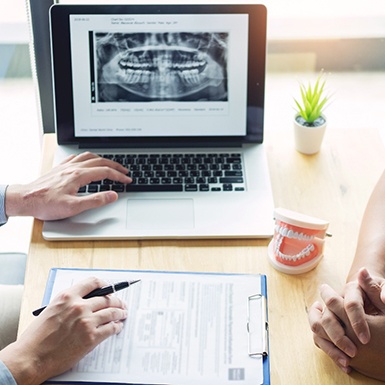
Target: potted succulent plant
(309, 120)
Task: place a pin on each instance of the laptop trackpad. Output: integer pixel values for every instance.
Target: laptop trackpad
(160, 214)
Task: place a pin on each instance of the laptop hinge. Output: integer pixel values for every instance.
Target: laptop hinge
(105, 145)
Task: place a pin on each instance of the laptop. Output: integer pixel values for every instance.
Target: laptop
(178, 87)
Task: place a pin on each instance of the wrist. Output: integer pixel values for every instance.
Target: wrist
(24, 368)
(374, 271)
(16, 201)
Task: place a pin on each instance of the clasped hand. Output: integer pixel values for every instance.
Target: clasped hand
(350, 328)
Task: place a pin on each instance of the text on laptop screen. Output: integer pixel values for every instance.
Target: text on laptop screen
(159, 75)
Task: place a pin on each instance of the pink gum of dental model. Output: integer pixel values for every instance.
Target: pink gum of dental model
(298, 242)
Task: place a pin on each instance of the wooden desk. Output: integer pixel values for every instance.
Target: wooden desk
(334, 185)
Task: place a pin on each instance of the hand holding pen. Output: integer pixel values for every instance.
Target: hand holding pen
(99, 292)
(65, 332)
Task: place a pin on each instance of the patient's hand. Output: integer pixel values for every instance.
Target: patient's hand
(337, 325)
(369, 359)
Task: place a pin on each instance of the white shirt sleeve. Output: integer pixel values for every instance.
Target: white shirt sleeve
(3, 217)
(6, 377)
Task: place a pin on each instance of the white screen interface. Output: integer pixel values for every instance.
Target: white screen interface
(159, 75)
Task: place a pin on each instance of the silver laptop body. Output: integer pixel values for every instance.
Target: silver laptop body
(165, 83)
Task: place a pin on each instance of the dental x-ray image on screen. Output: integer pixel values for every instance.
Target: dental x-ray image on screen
(170, 66)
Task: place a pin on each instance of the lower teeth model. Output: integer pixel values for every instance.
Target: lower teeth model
(298, 240)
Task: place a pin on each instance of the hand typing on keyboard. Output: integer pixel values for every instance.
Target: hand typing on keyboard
(55, 194)
(170, 172)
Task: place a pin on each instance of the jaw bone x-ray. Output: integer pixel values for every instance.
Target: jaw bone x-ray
(170, 66)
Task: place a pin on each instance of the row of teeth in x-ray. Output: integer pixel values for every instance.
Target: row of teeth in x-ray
(161, 59)
(162, 63)
(144, 76)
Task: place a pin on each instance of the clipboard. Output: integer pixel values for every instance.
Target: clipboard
(255, 323)
(259, 337)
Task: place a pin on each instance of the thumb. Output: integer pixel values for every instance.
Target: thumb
(374, 291)
(93, 201)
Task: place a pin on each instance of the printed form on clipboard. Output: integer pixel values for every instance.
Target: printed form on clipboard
(182, 329)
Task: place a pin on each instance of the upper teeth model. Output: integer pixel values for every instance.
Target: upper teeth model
(298, 241)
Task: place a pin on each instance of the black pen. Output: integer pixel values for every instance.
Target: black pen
(100, 292)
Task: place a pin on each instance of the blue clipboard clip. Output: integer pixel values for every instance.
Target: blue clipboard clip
(257, 326)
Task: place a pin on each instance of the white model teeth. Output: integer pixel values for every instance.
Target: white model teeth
(293, 258)
(285, 232)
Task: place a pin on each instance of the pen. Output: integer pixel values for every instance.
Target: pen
(100, 292)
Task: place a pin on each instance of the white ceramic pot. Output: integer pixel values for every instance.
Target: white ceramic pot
(308, 140)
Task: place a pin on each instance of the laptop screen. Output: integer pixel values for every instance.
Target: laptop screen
(139, 73)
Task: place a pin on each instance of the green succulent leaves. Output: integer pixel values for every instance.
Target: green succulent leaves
(313, 100)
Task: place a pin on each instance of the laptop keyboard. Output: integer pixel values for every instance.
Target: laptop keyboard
(192, 172)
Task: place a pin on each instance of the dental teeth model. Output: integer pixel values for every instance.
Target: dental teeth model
(298, 242)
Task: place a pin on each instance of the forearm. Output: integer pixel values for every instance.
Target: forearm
(20, 365)
(370, 252)
(18, 201)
